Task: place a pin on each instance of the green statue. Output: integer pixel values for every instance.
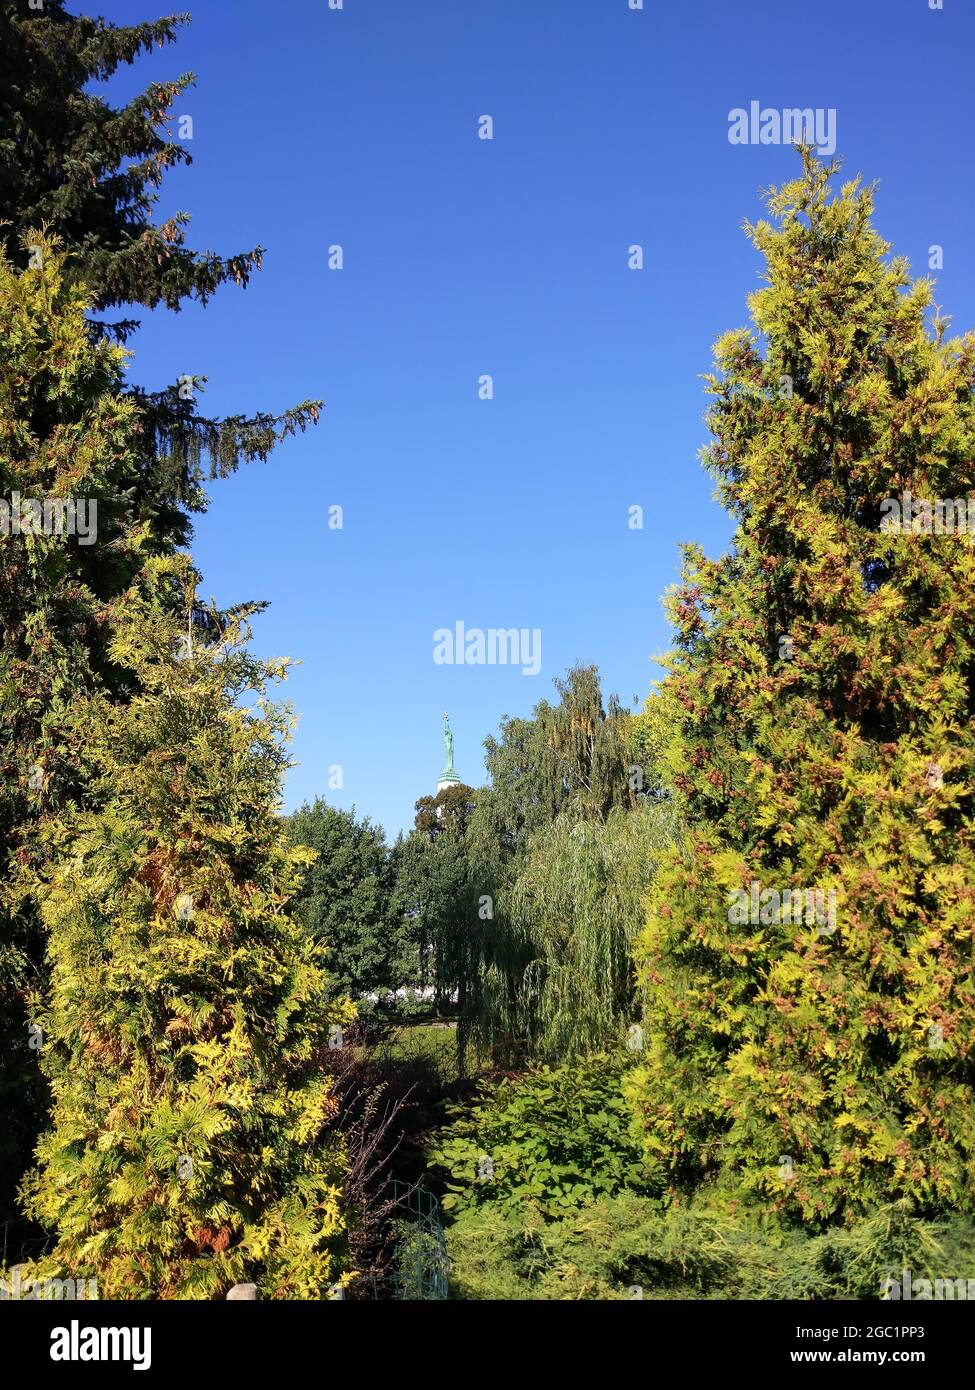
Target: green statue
(448, 743)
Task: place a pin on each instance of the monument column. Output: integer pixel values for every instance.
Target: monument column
(448, 778)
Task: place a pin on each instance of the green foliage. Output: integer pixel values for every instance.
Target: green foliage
(432, 1044)
(624, 1247)
(574, 753)
(437, 894)
(843, 1044)
(82, 175)
(446, 815)
(552, 1139)
(346, 901)
(420, 1267)
(563, 845)
(598, 1252)
(556, 966)
(90, 172)
(66, 433)
(187, 1024)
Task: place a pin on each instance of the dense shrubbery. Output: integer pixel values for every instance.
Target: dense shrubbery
(552, 1139)
(623, 1247)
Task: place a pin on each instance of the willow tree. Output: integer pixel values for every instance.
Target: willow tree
(561, 858)
(807, 957)
(557, 980)
(573, 753)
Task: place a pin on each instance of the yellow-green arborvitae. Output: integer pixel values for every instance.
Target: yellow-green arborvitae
(807, 960)
(184, 1021)
(188, 1026)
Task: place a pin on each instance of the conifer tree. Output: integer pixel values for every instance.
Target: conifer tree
(82, 175)
(188, 1023)
(75, 166)
(65, 155)
(68, 444)
(815, 1054)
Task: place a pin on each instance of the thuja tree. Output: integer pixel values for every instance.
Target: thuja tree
(813, 1050)
(188, 1023)
(69, 543)
(90, 174)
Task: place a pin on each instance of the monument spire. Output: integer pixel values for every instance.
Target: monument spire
(447, 778)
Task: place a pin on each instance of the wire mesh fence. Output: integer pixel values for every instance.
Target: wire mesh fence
(22, 1240)
(420, 1270)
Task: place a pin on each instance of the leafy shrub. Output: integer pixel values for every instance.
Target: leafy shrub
(420, 1264)
(557, 1138)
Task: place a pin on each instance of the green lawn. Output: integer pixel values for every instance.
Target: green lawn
(434, 1042)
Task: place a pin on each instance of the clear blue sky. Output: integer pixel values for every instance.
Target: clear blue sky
(462, 256)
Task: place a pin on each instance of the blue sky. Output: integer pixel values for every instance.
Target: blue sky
(359, 127)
